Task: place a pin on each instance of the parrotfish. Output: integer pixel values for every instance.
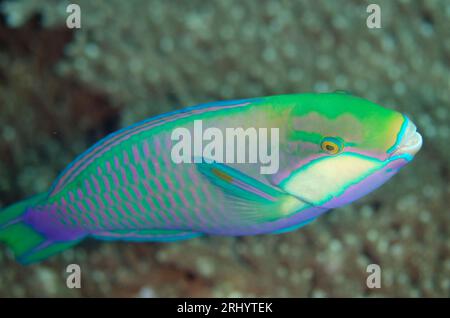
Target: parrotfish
(332, 148)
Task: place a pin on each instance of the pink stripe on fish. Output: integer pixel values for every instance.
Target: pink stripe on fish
(126, 159)
(137, 192)
(145, 214)
(205, 188)
(80, 194)
(84, 213)
(116, 163)
(200, 216)
(167, 161)
(136, 156)
(106, 183)
(148, 188)
(193, 176)
(134, 213)
(171, 200)
(197, 200)
(146, 149)
(96, 184)
(117, 197)
(134, 174)
(182, 198)
(128, 195)
(113, 215)
(108, 167)
(157, 143)
(179, 180)
(151, 204)
(159, 185)
(188, 220)
(74, 213)
(163, 213)
(124, 177)
(109, 199)
(116, 180)
(125, 218)
(99, 201)
(161, 203)
(90, 205)
(146, 171)
(155, 163)
(88, 187)
(104, 217)
(169, 182)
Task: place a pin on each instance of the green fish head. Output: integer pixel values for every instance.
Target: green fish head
(341, 147)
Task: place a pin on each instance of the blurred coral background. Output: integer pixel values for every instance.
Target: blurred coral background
(63, 89)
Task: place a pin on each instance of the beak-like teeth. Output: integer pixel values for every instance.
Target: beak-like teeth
(410, 143)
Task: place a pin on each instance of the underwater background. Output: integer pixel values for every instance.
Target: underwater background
(63, 89)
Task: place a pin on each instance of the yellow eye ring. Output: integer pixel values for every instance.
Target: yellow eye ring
(332, 145)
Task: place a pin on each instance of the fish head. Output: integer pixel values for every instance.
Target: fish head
(341, 147)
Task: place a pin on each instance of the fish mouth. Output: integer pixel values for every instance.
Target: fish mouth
(410, 143)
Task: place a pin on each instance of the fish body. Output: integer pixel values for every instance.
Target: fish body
(331, 149)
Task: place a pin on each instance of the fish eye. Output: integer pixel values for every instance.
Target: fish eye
(332, 145)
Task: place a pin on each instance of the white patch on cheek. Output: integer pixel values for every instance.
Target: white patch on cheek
(329, 177)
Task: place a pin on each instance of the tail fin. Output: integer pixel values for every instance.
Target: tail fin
(28, 245)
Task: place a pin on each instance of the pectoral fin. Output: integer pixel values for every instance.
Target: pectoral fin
(239, 184)
(248, 199)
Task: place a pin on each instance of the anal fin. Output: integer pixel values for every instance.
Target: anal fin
(154, 235)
